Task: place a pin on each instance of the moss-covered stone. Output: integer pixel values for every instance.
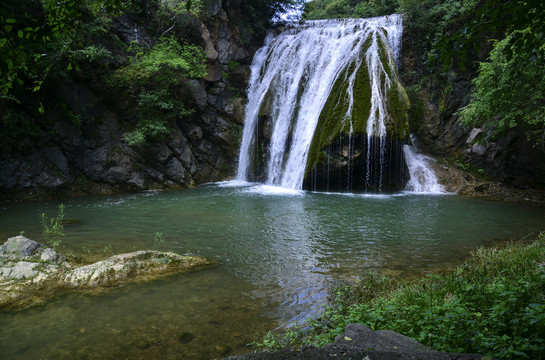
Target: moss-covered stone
(333, 122)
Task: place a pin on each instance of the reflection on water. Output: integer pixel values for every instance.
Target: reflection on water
(278, 253)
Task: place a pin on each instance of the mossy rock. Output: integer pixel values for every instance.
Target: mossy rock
(334, 123)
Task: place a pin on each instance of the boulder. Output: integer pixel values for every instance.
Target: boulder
(20, 247)
(360, 342)
(122, 267)
(31, 273)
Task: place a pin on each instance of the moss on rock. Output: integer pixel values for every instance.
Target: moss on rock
(333, 122)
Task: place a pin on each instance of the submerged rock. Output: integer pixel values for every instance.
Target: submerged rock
(30, 272)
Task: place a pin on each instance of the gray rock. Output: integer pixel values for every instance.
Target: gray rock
(198, 93)
(136, 180)
(51, 256)
(226, 50)
(362, 337)
(187, 158)
(360, 342)
(20, 247)
(26, 265)
(125, 266)
(240, 75)
(23, 270)
(213, 7)
(473, 135)
(194, 132)
(94, 156)
(214, 71)
(478, 149)
(56, 156)
(175, 170)
(117, 174)
(209, 50)
(234, 108)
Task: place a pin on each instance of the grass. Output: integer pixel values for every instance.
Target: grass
(493, 304)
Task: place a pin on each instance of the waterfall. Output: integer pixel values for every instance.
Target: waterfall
(292, 78)
(422, 177)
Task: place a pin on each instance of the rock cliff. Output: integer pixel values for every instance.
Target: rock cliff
(91, 155)
(513, 158)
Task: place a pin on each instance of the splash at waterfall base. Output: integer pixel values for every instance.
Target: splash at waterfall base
(353, 164)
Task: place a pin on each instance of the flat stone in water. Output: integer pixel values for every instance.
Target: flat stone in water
(26, 267)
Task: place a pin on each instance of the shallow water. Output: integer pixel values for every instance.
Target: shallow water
(278, 253)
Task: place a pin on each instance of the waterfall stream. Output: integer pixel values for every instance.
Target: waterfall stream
(292, 78)
(422, 177)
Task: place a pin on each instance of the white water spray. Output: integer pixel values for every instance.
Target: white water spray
(295, 72)
(422, 177)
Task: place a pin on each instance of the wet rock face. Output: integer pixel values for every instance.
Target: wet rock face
(512, 158)
(94, 157)
(352, 164)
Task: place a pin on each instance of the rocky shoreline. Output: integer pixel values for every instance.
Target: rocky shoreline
(360, 342)
(31, 273)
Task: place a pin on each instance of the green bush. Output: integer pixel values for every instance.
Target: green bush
(152, 78)
(53, 230)
(492, 305)
(510, 88)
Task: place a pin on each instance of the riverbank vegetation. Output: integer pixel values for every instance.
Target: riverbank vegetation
(493, 304)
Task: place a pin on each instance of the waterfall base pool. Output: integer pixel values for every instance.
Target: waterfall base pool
(278, 252)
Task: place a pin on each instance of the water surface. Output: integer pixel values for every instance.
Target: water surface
(278, 250)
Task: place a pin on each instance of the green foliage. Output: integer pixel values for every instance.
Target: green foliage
(510, 88)
(492, 305)
(152, 77)
(158, 240)
(172, 13)
(53, 230)
(36, 36)
(329, 9)
(430, 22)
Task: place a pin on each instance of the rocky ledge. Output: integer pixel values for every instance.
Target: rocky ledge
(360, 342)
(31, 273)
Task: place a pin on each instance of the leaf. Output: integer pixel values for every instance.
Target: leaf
(347, 338)
(10, 21)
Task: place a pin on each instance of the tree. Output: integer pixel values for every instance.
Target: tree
(35, 35)
(151, 78)
(509, 90)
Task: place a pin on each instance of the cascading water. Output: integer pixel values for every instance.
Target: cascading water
(324, 75)
(422, 177)
(293, 75)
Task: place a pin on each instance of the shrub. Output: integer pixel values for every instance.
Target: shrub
(492, 305)
(53, 230)
(152, 78)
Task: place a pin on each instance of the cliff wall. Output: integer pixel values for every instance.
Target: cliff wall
(91, 154)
